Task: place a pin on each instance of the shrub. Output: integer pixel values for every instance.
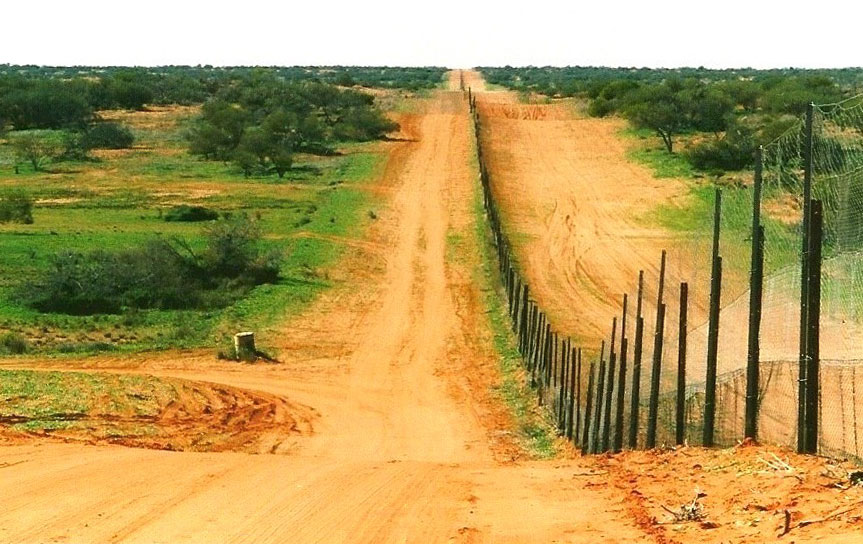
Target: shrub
(16, 209)
(107, 136)
(162, 274)
(74, 148)
(84, 347)
(734, 151)
(600, 107)
(14, 344)
(190, 214)
(37, 149)
(233, 253)
(154, 276)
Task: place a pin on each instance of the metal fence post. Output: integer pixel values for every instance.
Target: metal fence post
(585, 437)
(756, 285)
(621, 381)
(808, 144)
(713, 327)
(814, 322)
(600, 385)
(680, 412)
(653, 405)
(609, 388)
(636, 367)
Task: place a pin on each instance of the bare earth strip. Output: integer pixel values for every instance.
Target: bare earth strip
(406, 442)
(574, 207)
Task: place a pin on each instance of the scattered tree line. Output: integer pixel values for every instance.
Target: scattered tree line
(261, 123)
(256, 118)
(52, 97)
(725, 113)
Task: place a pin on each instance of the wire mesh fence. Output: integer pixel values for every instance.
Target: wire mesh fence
(751, 324)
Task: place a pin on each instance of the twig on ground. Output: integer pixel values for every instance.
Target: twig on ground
(832, 515)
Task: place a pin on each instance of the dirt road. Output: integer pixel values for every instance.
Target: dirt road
(394, 377)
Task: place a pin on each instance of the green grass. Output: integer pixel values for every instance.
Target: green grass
(534, 426)
(693, 217)
(49, 401)
(118, 202)
(662, 163)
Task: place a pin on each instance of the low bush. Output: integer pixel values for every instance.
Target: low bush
(16, 209)
(107, 136)
(13, 344)
(600, 107)
(162, 274)
(190, 214)
(85, 347)
(733, 151)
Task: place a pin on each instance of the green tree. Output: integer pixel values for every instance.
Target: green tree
(219, 130)
(35, 149)
(658, 108)
(709, 108)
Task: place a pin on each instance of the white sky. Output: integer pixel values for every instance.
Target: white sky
(463, 33)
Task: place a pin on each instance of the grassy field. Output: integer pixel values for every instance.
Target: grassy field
(118, 201)
(55, 401)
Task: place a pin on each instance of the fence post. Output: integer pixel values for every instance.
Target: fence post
(621, 381)
(713, 327)
(574, 392)
(523, 325)
(813, 381)
(609, 388)
(585, 437)
(659, 331)
(600, 385)
(636, 366)
(546, 362)
(802, 416)
(516, 303)
(680, 424)
(564, 382)
(756, 286)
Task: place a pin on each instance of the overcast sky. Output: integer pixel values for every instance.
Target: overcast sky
(453, 33)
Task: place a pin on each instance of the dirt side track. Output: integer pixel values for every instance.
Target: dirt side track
(406, 446)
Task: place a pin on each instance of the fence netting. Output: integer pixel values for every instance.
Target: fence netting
(671, 407)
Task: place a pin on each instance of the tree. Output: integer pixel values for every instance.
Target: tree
(657, 108)
(44, 105)
(709, 108)
(35, 149)
(271, 145)
(130, 95)
(219, 130)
